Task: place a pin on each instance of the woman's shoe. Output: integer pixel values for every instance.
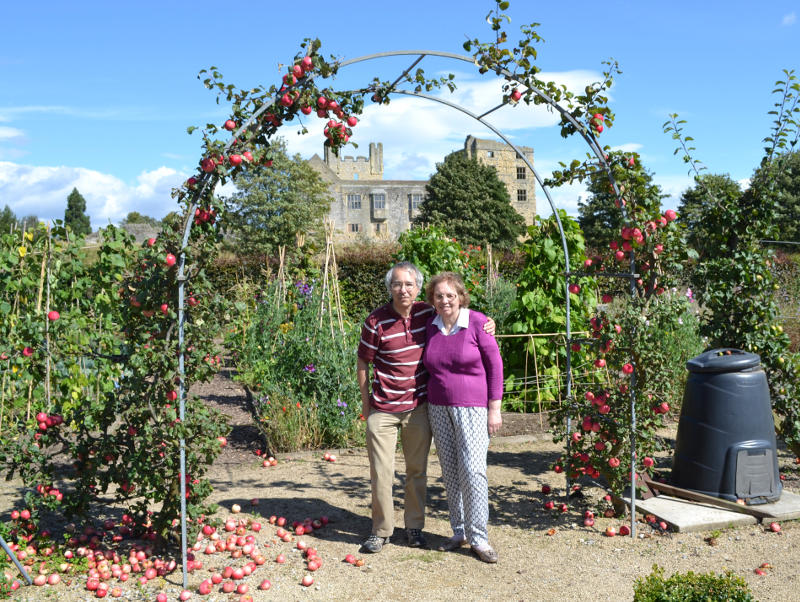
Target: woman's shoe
(452, 544)
(485, 553)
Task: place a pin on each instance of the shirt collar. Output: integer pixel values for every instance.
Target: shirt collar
(461, 322)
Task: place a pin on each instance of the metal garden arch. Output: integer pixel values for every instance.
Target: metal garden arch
(209, 181)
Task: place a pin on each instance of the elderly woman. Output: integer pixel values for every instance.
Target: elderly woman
(465, 387)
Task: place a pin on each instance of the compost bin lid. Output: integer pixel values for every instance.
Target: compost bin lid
(724, 360)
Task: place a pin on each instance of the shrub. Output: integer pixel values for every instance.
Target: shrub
(361, 271)
(690, 587)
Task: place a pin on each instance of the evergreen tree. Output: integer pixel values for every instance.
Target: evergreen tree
(468, 200)
(274, 204)
(7, 220)
(599, 217)
(75, 215)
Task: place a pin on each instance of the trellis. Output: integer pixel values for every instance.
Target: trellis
(209, 181)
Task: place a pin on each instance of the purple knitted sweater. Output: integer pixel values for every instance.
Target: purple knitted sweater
(465, 368)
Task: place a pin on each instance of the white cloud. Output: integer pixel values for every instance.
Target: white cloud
(789, 19)
(43, 191)
(7, 133)
(630, 147)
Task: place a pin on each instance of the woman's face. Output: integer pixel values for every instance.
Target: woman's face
(446, 301)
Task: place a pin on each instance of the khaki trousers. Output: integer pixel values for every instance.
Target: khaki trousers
(415, 434)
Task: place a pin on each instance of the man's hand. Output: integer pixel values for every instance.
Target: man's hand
(362, 373)
(489, 327)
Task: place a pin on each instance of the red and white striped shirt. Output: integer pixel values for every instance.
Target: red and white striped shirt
(394, 345)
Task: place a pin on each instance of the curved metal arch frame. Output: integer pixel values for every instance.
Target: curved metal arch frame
(209, 181)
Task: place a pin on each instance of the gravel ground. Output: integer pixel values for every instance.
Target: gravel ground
(544, 555)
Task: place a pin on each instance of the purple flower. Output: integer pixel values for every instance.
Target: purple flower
(310, 368)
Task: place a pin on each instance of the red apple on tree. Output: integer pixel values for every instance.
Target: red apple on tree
(516, 95)
(230, 125)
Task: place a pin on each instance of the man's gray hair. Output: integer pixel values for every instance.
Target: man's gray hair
(403, 265)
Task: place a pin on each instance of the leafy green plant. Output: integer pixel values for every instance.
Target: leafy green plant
(690, 587)
(539, 308)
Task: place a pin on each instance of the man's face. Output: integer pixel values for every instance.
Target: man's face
(404, 288)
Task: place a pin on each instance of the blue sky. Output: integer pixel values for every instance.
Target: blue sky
(98, 95)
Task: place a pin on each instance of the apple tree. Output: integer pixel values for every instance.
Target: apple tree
(734, 281)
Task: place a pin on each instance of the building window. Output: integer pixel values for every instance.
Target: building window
(522, 195)
(355, 176)
(354, 201)
(355, 228)
(415, 200)
(490, 154)
(520, 173)
(379, 201)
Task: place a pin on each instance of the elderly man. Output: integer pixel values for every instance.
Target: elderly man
(393, 339)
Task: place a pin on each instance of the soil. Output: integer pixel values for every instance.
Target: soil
(544, 555)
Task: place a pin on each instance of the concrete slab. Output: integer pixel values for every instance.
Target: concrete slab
(685, 516)
(786, 508)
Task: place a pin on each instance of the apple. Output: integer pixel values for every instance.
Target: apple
(242, 589)
(574, 289)
(627, 368)
(600, 363)
(223, 441)
(170, 260)
(624, 530)
(588, 522)
(53, 315)
(298, 71)
(265, 585)
(313, 565)
(352, 121)
(208, 165)
(236, 508)
(613, 462)
(775, 527)
(307, 64)
(610, 532)
(280, 559)
(648, 461)
(307, 581)
(516, 95)
(549, 505)
(670, 215)
(228, 587)
(235, 160)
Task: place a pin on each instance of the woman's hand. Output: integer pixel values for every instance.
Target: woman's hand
(495, 419)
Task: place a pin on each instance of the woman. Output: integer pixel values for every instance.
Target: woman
(465, 387)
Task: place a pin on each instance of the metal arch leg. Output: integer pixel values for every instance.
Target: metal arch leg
(16, 561)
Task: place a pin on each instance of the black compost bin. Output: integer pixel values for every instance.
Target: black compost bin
(725, 446)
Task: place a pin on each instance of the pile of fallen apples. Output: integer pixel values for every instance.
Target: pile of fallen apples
(109, 557)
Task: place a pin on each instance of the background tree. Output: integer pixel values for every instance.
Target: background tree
(787, 197)
(75, 215)
(698, 202)
(7, 220)
(273, 204)
(599, 217)
(134, 217)
(468, 200)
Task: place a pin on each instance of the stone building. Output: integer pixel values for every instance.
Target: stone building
(367, 207)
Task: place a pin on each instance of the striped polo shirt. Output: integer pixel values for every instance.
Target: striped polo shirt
(394, 346)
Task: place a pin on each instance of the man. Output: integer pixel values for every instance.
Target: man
(393, 339)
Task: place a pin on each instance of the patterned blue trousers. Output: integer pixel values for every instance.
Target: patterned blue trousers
(462, 442)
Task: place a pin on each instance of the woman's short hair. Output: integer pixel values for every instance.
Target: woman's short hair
(403, 265)
(453, 280)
